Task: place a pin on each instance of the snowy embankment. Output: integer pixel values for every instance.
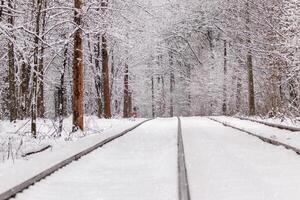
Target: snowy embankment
(17, 170)
(16, 140)
(141, 165)
(224, 163)
(295, 123)
(283, 136)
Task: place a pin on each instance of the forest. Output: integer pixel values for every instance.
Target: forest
(119, 58)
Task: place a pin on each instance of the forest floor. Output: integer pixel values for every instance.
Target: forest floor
(222, 163)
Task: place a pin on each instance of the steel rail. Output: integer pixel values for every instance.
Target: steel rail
(24, 185)
(280, 126)
(265, 139)
(183, 184)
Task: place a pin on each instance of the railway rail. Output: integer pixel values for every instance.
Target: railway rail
(265, 139)
(280, 126)
(183, 183)
(26, 184)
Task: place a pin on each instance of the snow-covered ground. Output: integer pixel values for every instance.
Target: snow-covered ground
(16, 139)
(284, 136)
(13, 172)
(227, 164)
(282, 121)
(138, 166)
(222, 163)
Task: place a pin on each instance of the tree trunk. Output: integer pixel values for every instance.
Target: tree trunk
(98, 83)
(35, 69)
(40, 93)
(153, 97)
(126, 93)
(105, 68)
(189, 96)
(251, 97)
(61, 93)
(11, 70)
(78, 74)
(105, 76)
(224, 108)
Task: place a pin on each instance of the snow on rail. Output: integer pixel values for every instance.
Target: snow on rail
(280, 126)
(263, 138)
(183, 184)
(24, 185)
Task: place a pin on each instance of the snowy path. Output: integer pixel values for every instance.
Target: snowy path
(140, 165)
(227, 164)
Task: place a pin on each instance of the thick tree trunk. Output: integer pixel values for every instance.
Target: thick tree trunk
(105, 76)
(40, 92)
(78, 75)
(224, 108)
(105, 67)
(13, 109)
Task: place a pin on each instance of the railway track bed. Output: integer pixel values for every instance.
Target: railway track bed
(177, 158)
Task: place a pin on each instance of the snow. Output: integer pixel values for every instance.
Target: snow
(282, 121)
(227, 164)
(139, 165)
(17, 136)
(17, 171)
(222, 163)
(284, 136)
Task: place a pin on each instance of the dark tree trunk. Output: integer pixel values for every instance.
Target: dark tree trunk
(98, 83)
(153, 96)
(251, 94)
(224, 107)
(13, 109)
(78, 74)
(40, 92)
(189, 89)
(61, 93)
(105, 76)
(35, 69)
(126, 93)
(105, 68)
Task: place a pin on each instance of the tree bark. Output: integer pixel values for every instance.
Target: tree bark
(153, 96)
(224, 108)
(61, 93)
(105, 68)
(98, 83)
(249, 62)
(105, 76)
(13, 109)
(78, 74)
(126, 93)
(40, 92)
(35, 74)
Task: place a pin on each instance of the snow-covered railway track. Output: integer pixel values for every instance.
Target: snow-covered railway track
(263, 138)
(280, 126)
(52, 169)
(183, 184)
